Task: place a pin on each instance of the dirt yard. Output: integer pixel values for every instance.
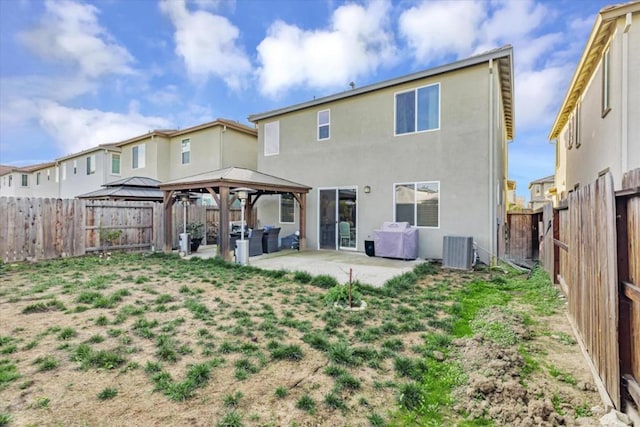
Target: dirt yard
(154, 340)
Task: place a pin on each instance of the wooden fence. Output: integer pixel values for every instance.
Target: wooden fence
(593, 252)
(41, 228)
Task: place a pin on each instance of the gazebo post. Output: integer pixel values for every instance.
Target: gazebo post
(303, 221)
(223, 226)
(168, 220)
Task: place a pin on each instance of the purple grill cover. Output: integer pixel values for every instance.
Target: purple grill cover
(396, 240)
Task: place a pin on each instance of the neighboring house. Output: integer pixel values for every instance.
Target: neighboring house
(172, 154)
(159, 155)
(597, 128)
(25, 181)
(87, 170)
(541, 192)
(428, 148)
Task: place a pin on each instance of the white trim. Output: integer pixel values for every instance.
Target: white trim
(415, 205)
(415, 89)
(328, 124)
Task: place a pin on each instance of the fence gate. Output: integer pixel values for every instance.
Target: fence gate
(135, 221)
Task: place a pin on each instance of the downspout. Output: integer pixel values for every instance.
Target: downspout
(492, 235)
(624, 158)
(220, 141)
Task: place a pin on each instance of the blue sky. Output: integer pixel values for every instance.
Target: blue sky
(74, 74)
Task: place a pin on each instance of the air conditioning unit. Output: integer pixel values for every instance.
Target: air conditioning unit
(457, 252)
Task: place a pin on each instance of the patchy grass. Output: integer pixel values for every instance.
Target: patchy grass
(174, 335)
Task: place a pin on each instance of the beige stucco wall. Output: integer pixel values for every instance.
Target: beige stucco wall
(363, 151)
(601, 137)
(238, 149)
(156, 148)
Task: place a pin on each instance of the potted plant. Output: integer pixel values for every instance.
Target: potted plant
(196, 233)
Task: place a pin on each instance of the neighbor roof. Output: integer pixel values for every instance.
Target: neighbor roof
(547, 179)
(168, 133)
(503, 55)
(600, 34)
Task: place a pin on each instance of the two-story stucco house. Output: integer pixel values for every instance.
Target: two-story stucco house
(26, 181)
(428, 148)
(161, 155)
(87, 170)
(540, 192)
(173, 154)
(598, 127)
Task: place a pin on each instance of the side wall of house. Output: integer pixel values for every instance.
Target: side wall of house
(239, 149)
(601, 138)
(363, 151)
(73, 184)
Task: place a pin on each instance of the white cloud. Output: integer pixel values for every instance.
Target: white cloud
(208, 44)
(78, 129)
(434, 30)
(69, 32)
(357, 42)
(538, 95)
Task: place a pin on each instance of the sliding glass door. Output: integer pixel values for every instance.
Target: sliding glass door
(338, 216)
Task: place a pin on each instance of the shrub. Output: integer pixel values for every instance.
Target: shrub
(340, 294)
(410, 396)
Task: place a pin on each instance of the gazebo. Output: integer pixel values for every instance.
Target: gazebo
(221, 185)
(128, 189)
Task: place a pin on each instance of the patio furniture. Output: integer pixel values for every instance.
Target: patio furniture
(255, 242)
(396, 240)
(270, 240)
(344, 229)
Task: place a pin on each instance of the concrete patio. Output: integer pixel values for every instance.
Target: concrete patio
(368, 270)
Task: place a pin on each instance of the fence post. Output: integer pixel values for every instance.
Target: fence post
(556, 248)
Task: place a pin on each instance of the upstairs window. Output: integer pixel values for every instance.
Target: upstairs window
(10, 180)
(324, 123)
(63, 166)
(75, 167)
(606, 82)
(272, 138)
(91, 164)
(38, 175)
(186, 151)
(48, 174)
(137, 157)
(115, 164)
(418, 203)
(287, 208)
(25, 180)
(57, 172)
(418, 110)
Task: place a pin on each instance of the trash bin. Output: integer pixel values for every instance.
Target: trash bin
(369, 248)
(185, 246)
(242, 252)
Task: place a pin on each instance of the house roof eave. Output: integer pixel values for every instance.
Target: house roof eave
(598, 39)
